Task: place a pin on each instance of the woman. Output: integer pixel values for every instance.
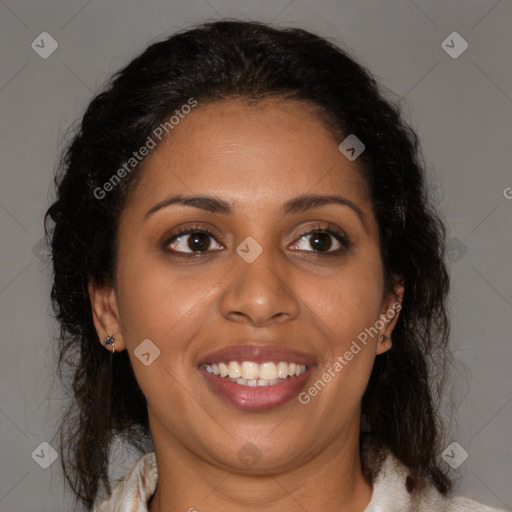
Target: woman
(249, 274)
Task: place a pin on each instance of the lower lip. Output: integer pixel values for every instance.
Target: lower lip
(256, 397)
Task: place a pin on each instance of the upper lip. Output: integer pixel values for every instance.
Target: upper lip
(257, 353)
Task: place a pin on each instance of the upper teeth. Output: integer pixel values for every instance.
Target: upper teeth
(251, 371)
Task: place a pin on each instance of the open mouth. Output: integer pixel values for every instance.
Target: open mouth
(256, 386)
(253, 374)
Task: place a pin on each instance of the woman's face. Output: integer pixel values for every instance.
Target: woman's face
(261, 297)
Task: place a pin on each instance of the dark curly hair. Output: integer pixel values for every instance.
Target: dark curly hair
(250, 61)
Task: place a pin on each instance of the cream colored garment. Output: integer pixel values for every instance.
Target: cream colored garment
(389, 492)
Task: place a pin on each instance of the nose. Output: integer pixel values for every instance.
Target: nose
(259, 293)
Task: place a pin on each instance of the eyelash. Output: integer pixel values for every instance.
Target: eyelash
(340, 237)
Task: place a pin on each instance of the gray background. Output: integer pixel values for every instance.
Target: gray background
(461, 108)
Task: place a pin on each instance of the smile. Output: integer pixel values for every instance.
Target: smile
(253, 377)
(251, 373)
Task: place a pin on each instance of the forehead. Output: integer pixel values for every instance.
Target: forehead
(264, 152)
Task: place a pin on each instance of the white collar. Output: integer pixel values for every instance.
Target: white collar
(389, 492)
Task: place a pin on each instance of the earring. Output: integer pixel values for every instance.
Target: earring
(109, 341)
(385, 338)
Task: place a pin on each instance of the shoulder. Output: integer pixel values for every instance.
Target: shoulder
(392, 491)
(133, 493)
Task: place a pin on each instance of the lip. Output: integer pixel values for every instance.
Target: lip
(257, 397)
(258, 354)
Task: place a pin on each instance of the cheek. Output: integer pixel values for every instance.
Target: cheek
(345, 308)
(166, 306)
(157, 301)
(347, 302)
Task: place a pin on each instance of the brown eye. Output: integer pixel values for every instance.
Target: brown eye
(198, 242)
(322, 240)
(192, 241)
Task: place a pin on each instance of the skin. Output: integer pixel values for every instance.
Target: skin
(257, 157)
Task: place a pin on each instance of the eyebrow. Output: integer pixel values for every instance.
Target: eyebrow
(215, 204)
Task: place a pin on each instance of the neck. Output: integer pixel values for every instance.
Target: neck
(332, 481)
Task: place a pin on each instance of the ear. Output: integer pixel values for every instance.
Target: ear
(105, 314)
(390, 311)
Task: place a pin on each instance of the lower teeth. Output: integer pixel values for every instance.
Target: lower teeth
(257, 383)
